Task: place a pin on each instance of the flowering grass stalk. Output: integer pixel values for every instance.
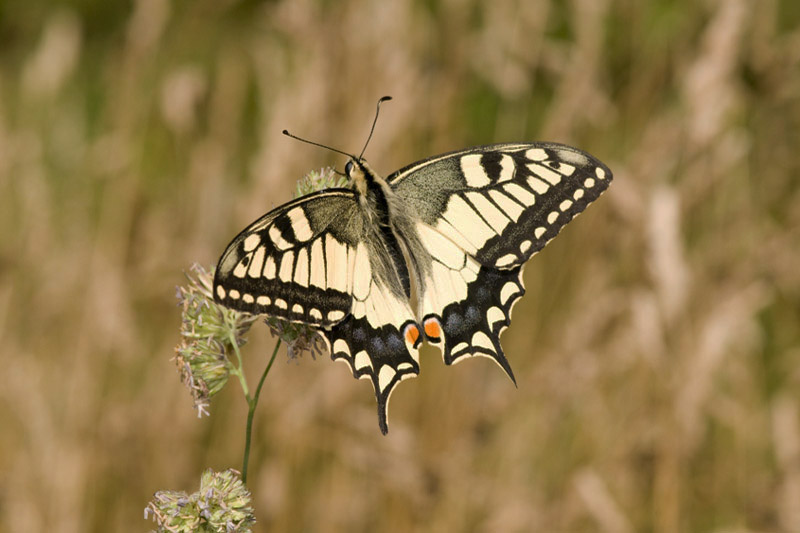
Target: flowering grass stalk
(223, 503)
(210, 333)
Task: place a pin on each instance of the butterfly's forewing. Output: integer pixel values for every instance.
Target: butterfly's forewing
(294, 262)
(502, 203)
(481, 213)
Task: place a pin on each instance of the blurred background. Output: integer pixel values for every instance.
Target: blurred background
(657, 351)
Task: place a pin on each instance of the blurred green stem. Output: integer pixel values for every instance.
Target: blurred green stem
(238, 370)
(251, 408)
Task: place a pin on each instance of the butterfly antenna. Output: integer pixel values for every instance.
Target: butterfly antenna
(377, 111)
(286, 132)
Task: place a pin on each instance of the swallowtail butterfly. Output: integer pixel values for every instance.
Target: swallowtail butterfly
(432, 253)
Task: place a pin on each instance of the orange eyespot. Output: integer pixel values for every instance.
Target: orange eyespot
(432, 329)
(412, 334)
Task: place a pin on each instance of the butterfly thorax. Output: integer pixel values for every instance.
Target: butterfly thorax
(372, 191)
(387, 215)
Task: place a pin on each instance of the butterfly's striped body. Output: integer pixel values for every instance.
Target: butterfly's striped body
(449, 234)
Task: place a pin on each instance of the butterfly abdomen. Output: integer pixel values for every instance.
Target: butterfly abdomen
(378, 201)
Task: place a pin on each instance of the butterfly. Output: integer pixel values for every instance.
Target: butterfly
(432, 253)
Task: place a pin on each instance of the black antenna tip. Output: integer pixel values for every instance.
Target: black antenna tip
(286, 132)
(375, 121)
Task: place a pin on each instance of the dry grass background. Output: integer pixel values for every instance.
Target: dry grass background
(657, 350)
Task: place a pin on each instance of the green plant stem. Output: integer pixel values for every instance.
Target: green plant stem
(251, 409)
(238, 371)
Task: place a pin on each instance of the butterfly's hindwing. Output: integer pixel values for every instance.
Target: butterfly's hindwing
(380, 338)
(472, 326)
(295, 262)
(384, 354)
(465, 305)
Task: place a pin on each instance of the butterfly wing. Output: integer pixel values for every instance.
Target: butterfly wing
(296, 262)
(317, 261)
(380, 338)
(480, 215)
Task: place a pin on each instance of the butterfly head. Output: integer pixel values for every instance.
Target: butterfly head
(359, 174)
